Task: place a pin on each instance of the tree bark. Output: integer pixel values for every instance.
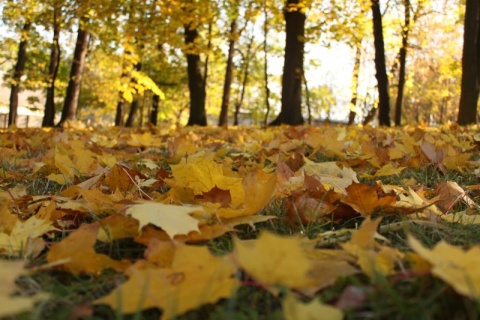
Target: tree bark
(78, 64)
(265, 63)
(227, 84)
(120, 111)
(380, 66)
(403, 63)
(355, 76)
(18, 73)
(467, 112)
(49, 112)
(291, 110)
(153, 119)
(196, 81)
(132, 114)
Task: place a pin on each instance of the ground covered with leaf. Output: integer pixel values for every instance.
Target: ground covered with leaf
(240, 223)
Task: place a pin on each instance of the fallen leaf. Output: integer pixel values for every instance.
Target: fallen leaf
(174, 220)
(79, 255)
(187, 285)
(11, 305)
(294, 309)
(274, 260)
(367, 199)
(454, 265)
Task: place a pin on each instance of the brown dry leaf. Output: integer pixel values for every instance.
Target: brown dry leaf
(367, 199)
(294, 309)
(78, 254)
(174, 220)
(454, 265)
(450, 193)
(195, 278)
(119, 177)
(217, 195)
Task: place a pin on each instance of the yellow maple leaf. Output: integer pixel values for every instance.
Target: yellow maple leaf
(204, 174)
(195, 278)
(454, 265)
(294, 309)
(76, 254)
(274, 260)
(22, 235)
(11, 305)
(372, 257)
(172, 219)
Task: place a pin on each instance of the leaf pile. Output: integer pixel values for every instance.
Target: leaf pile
(170, 190)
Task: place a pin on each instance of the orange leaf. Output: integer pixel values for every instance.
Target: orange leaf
(367, 199)
(79, 255)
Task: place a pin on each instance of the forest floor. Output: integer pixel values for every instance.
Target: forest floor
(240, 223)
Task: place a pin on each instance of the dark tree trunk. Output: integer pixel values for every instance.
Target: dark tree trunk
(355, 75)
(120, 111)
(18, 73)
(467, 112)
(291, 110)
(49, 113)
(245, 72)
(227, 84)
(196, 81)
(154, 111)
(73, 90)
(265, 63)
(403, 63)
(380, 66)
(132, 114)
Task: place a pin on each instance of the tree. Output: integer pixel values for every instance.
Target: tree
(380, 65)
(196, 80)
(467, 112)
(18, 73)
(78, 64)
(403, 62)
(223, 120)
(291, 109)
(49, 113)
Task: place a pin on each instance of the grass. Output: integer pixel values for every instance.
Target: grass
(406, 295)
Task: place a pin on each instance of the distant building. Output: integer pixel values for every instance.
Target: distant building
(30, 113)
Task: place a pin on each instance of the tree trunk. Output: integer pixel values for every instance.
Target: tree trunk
(227, 84)
(245, 73)
(18, 73)
(467, 112)
(355, 76)
(120, 111)
(196, 82)
(132, 114)
(380, 66)
(403, 62)
(49, 112)
(73, 90)
(265, 63)
(291, 110)
(154, 112)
